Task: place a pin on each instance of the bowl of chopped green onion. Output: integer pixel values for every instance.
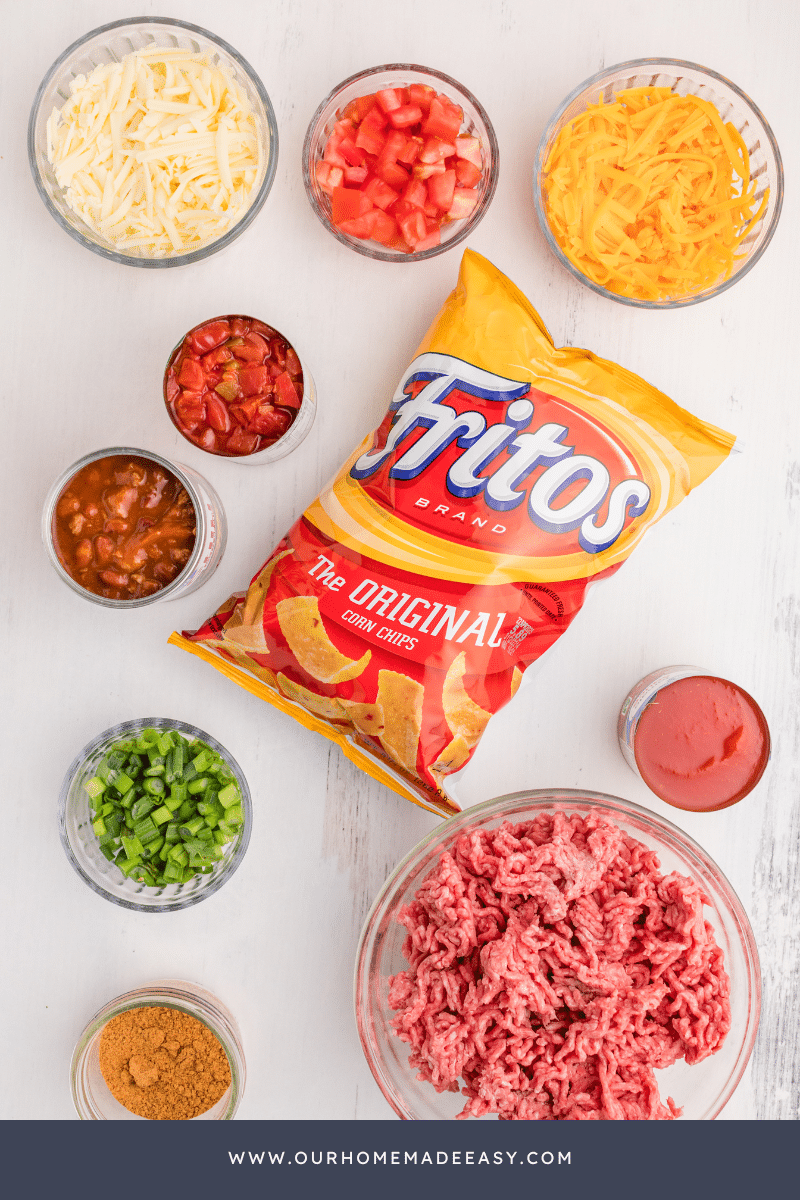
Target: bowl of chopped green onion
(154, 815)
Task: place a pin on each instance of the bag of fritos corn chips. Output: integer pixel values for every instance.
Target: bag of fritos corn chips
(457, 542)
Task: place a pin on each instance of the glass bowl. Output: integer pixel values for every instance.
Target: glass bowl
(288, 441)
(476, 124)
(701, 1090)
(108, 44)
(210, 540)
(734, 106)
(83, 849)
(90, 1092)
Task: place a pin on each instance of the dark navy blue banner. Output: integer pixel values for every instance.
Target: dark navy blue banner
(392, 1159)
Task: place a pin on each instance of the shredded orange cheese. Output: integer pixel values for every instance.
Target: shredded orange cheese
(650, 196)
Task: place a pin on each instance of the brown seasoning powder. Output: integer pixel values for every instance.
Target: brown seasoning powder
(163, 1064)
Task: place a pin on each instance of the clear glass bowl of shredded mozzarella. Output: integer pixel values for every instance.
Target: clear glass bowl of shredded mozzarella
(152, 142)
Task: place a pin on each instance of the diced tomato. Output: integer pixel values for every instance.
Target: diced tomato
(390, 98)
(358, 109)
(244, 411)
(441, 189)
(435, 150)
(393, 174)
(413, 227)
(382, 228)
(172, 388)
(190, 410)
(216, 358)
(217, 414)
(253, 380)
(426, 170)
(241, 441)
(467, 174)
(328, 176)
(370, 132)
(359, 227)
(444, 119)
(333, 157)
(421, 95)
(348, 203)
(394, 143)
(292, 363)
(278, 347)
(350, 152)
(433, 238)
(209, 336)
(191, 375)
(379, 193)
(254, 349)
(346, 128)
(464, 201)
(469, 148)
(286, 392)
(410, 151)
(415, 193)
(270, 422)
(353, 176)
(409, 114)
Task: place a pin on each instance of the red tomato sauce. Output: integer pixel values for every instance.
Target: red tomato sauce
(233, 386)
(124, 527)
(702, 743)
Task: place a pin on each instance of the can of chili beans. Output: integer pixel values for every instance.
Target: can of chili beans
(125, 527)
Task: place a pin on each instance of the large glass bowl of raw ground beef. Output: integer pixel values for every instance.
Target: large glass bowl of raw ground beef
(557, 955)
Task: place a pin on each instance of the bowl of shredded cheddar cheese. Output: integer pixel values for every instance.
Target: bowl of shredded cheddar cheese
(658, 183)
(152, 142)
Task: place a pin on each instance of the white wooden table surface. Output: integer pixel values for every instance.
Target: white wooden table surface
(716, 583)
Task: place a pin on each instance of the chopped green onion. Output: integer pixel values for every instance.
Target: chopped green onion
(95, 786)
(164, 807)
(229, 795)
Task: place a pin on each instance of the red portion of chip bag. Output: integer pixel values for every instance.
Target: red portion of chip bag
(456, 544)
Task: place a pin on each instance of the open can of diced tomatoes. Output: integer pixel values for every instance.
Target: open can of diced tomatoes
(236, 388)
(125, 527)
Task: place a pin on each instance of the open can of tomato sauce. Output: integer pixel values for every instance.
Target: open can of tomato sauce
(125, 527)
(699, 742)
(237, 388)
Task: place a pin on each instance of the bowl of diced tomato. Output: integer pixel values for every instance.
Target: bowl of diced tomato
(236, 387)
(400, 162)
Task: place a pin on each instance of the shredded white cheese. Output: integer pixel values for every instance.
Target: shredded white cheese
(158, 154)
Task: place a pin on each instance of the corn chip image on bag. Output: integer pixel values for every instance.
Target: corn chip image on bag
(457, 542)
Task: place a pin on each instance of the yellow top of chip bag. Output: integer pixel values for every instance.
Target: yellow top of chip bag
(456, 543)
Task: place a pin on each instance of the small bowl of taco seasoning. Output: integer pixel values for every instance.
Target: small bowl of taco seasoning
(237, 388)
(699, 742)
(166, 1051)
(125, 527)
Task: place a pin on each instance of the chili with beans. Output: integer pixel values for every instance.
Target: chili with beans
(233, 386)
(124, 527)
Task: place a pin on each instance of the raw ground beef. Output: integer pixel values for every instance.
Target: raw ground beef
(552, 969)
